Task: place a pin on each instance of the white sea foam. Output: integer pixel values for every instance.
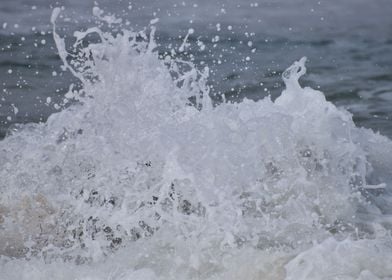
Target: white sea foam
(142, 178)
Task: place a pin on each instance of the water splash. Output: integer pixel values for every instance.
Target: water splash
(143, 179)
(293, 73)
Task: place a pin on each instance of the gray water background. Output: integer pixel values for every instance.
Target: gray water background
(348, 44)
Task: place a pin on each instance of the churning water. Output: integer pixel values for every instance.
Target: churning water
(143, 175)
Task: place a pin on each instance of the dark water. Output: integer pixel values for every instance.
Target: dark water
(348, 44)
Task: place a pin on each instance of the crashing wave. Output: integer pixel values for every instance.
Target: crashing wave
(142, 177)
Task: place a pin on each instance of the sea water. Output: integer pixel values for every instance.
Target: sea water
(144, 175)
(246, 45)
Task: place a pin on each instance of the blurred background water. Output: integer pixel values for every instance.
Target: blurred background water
(247, 46)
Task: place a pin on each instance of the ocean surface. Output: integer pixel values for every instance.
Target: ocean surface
(195, 139)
